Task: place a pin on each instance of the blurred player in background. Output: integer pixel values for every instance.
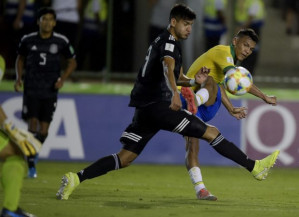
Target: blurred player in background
(251, 14)
(158, 107)
(14, 145)
(214, 22)
(39, 54)
(205, 102)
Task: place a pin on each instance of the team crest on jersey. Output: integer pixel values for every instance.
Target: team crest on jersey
(53, 48)
(230, 60)
(34, 47)
(169, 47)
(72, 49)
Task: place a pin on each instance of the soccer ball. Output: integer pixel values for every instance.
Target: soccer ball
(238, 81)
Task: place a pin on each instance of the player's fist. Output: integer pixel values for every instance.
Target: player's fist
(18, 85)
(202, 75)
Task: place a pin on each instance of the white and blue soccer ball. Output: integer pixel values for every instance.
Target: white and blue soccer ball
(238, 81)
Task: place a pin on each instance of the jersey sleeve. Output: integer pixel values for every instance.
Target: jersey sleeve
(22, 47)
(168, 49)
(68, 51)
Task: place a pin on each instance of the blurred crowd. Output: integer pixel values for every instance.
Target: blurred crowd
(84, 22)
(214, 19)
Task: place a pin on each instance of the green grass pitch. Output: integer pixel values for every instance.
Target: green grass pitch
(162, 190)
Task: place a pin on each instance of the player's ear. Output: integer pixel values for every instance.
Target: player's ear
(235, 39)
(173, 22)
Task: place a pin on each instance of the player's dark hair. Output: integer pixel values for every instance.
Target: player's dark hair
(46, 10)
(250, 33)
(181, 11)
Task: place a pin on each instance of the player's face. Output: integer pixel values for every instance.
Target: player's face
(182, 28)
(244, 46)
(46, 23)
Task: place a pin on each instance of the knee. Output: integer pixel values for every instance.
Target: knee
(211, 133)
(33, 125)
(126, 158)
(125, 162)
(41, 137)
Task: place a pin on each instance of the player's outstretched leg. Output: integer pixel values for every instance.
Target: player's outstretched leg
(68, 184)
(70, 181)
(262, 167)
(258, 168)
(190, 98)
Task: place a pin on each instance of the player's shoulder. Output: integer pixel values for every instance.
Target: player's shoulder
(166, 42)
(220, 49)
(61, 37)
(163, 38)
(29, 36)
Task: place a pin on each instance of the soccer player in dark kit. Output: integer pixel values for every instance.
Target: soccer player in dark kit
(158, 107)
(39, 54)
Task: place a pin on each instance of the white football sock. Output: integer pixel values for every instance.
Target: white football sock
(196, 178)
(202, 96)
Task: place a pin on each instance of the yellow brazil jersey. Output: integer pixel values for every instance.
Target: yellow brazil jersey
(218, 59)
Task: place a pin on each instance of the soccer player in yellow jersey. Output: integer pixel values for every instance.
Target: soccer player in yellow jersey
(205, 101)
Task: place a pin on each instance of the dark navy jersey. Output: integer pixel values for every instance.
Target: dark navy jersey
(150, 85)
(42, 62)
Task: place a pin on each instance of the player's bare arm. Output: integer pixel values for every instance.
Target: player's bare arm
(19, 72)
(71, 66)
(168, 67)
(199, 78)
(183, 79)
(17, 24)
(254, 90)
(237, 112)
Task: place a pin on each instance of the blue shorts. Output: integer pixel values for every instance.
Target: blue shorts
(206, 113)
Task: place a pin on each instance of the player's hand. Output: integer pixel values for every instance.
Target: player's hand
(239, 112)
(272, 100)
(59, 83)
(18, 85)
(202, 75)
(176, 103)
(25, 140)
